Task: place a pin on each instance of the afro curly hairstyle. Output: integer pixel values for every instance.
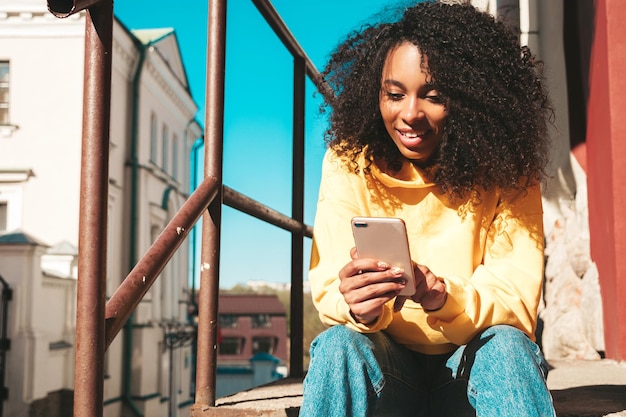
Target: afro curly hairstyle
(495, 132)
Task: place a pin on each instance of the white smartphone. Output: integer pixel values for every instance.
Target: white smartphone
(385, 239)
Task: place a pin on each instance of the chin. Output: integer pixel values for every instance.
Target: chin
(415, 157)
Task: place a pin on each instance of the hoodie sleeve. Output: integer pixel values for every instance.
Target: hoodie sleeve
(506, 287)
(332, 242)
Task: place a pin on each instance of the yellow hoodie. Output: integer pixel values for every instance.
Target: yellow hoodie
(490, 255)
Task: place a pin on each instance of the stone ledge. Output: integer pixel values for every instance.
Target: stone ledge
(588, 388)
(579, 389)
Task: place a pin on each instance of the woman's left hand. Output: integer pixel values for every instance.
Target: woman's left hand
(430, 291)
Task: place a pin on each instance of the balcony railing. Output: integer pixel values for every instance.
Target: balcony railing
(98, 322)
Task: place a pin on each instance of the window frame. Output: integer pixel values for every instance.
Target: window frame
(270, 341)
(5, 93)
(4, 216)
(260, 321)
(237, 341)
(154, 138)
(165, 148)
(228, 321)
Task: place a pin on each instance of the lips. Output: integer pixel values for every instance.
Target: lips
(410, 138)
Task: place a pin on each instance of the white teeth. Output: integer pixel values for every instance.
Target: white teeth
(409, 135)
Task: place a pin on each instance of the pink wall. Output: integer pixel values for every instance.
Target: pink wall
(606, 163)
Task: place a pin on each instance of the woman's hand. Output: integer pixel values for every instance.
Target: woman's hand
(430, 291)
(367, 284)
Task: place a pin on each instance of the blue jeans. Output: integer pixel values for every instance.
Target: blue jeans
(501, 372)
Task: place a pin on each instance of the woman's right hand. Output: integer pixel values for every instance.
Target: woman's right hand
(367, 284)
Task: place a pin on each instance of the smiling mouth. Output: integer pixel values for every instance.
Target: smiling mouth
(412, 135)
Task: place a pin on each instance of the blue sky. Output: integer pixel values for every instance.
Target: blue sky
(257, 130)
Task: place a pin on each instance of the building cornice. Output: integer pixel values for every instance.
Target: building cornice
(37, 23)
(125, 54)
(170, 85)
(15, 175)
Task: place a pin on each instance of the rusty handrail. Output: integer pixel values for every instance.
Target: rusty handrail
(286, 37)
(91, 285)
(206, 361)
(245, 204)
(137, 283)
(97, 322)
(296, 305)
(66, 8)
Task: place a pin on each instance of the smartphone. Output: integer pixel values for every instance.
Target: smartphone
(385, 239)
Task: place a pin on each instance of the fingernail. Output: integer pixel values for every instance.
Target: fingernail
(397, 271)
(383, 265)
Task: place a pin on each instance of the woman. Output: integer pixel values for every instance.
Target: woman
(439, 118)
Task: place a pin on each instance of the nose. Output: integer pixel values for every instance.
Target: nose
(412, 110)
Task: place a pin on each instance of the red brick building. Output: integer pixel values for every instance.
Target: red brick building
(251, 324)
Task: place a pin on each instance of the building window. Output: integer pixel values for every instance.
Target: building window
(231, 346)
(228, 321)
(4, 92)
(175, 146)
(154, 146)
(265, 344)
(4, 215)
(261, 320)
(165, 149)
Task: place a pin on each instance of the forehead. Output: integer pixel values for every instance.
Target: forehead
(405, 58)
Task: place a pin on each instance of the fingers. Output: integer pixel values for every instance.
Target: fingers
(430, 290)
(359, 266)
(367, 284)
(381, 291)
(362, 273)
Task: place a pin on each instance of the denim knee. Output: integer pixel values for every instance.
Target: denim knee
(504, 331)
(506, 371)
(343, 374)
(338, 340)
(510, 342)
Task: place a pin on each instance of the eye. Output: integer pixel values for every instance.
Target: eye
(433, 97)
(394, 96)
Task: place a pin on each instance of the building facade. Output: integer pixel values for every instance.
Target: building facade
(252, 346)
(149, 367)
(251, 324)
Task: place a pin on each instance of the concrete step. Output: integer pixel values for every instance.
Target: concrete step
(579, 389)
(588, 388)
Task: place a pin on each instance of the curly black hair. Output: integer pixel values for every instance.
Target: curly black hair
(498, 109)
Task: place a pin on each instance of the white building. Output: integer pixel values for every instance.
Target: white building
(153, 129)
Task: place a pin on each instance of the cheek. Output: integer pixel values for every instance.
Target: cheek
(440, 119)
(386, 112)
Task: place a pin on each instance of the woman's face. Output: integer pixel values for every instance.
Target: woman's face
(412, 111)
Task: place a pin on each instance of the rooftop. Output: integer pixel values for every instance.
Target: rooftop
(243, 304)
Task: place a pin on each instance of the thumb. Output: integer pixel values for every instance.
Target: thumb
(399, 302)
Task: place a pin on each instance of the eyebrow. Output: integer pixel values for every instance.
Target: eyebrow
(394, 83)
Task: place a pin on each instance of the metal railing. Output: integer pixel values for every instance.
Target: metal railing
(98, 322)
(5, 342)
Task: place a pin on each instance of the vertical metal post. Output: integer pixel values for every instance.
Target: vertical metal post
(90, 326)
(5, 343)
(296, 333)
(209, 268)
